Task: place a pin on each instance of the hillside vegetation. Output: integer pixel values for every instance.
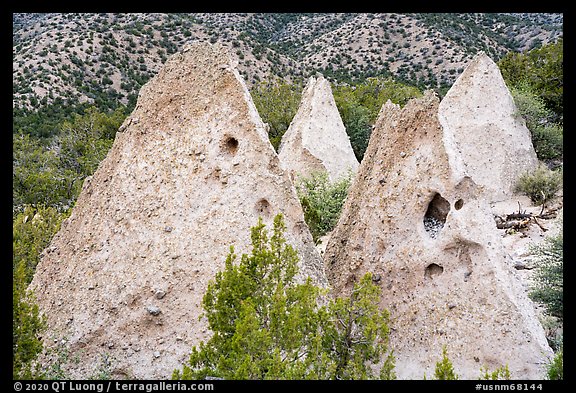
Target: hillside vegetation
(64, 62)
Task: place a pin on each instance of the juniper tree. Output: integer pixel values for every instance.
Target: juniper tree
(268, 324)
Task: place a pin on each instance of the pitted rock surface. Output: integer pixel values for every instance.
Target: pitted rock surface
(454, 285)
(189, 173)
(484, 136)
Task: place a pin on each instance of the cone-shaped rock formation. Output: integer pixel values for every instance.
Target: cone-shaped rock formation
(189, 173)
(431, 245)
(316, 139)
(484, 136)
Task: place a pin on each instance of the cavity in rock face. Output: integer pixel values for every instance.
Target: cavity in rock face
(484, 136)
(189, 173)
(430, 238)
(316, 139)
(436, 214)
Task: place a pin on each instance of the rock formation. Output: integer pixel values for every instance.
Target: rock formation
(484, 136)
(430, 241)
(189, 173)
(316, 139)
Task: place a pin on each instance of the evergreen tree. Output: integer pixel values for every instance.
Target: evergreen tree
(267, 325)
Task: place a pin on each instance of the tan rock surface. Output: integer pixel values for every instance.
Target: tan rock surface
(484, 136)
(316, 139)
(432, 246)
(189, 173)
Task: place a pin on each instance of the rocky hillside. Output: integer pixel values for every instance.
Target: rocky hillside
(105, 58)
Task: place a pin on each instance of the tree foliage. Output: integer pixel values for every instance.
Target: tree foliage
(268, 325)
(277, 103)
(542, 70)
(27, 326)
(547, 136)
(36, 178)
(51, 172)
(360, 104)
(32, 231)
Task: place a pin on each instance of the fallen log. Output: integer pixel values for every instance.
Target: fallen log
(516, 224)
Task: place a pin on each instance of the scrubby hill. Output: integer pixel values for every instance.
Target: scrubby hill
(105, 58)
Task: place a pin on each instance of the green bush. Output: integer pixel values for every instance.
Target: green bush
(541, 185)
(322, 200)
(548, 278)
(555, 369)
(266, 325)
(501, 373)
(32, 231)
(542, 70)
(51, 173)
(548, 142)
(35, 177)
(27, 327)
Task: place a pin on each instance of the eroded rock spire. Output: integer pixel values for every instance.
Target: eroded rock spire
(189, 173)
(316, 139)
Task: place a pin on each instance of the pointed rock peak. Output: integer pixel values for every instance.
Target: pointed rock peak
(388, 108)
(431, 240)
(185, 179)
(485, 138)
(316, 139)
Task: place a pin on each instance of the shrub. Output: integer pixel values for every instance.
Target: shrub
(542, 70)
(27, 326)
(322, 200)
(547, 136)
(541, 185)
(548, 142)
(32, 231)
(501, 373)
(548, 278)
(444, 369)
(555, 369)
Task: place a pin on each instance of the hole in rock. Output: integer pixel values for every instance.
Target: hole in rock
(263, 208)
(435, 216)
(433, 270)
(458, 204)
(231, 145)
